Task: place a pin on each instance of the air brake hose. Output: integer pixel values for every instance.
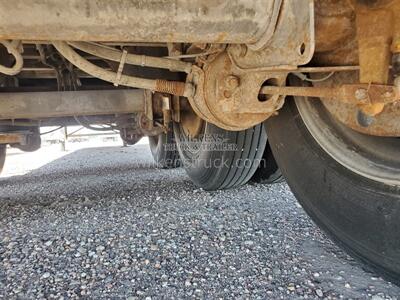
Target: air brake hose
(163, 86)
(133, 59)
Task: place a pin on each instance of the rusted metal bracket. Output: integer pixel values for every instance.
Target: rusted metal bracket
(148, 105)
(167, 110)
(19, 137)
(362, 95)
(349, 93)
(228, 83)
(176, 109)
(292, 43)
(157, 106)
(228, 97)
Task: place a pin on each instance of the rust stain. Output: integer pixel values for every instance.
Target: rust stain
(221, 37)
(11, 138)
(385, 123)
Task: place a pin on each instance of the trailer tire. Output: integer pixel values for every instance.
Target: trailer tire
(268, 171)
(3, 153)
(360, 214)
(221, 159)
(163, 150)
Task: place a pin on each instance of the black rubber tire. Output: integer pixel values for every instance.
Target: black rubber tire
(268, 171)
(163, 150)
(362, 215)
(34, 142)
(3, 152)
(223, 159)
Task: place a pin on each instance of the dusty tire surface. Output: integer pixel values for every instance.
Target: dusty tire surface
(221, 159)
(163, 150)
(3, 152)
(361, 215)
(268, 171)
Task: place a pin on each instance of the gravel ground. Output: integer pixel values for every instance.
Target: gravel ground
(103, 223)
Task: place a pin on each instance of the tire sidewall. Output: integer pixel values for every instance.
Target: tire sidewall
(163, 150)
(363, 215)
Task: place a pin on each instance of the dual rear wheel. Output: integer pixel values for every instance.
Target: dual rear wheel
(163, 150)
(348, 183)
(215, 158)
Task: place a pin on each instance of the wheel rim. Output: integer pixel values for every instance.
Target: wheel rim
(376, 158)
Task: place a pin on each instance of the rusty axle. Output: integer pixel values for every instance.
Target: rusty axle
(358, 94)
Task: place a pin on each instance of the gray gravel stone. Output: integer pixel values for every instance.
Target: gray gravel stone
(105, 224)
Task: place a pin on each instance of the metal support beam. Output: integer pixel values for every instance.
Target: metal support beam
(62, 104)
(13, 137)
(200, 21)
